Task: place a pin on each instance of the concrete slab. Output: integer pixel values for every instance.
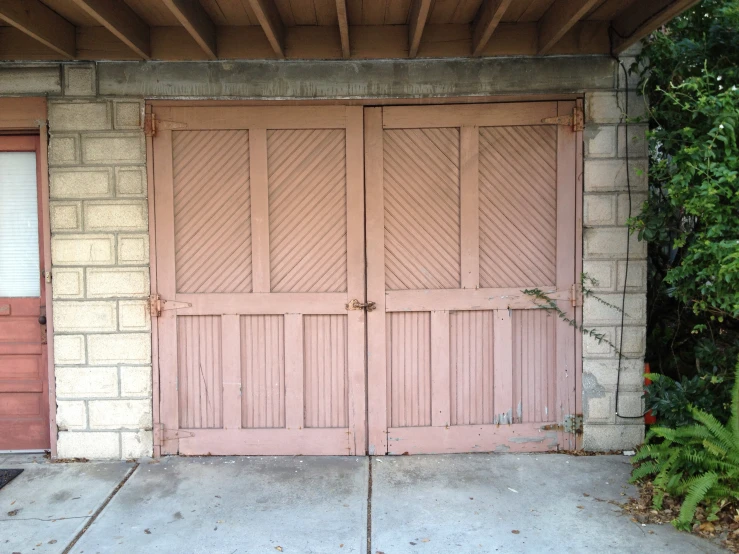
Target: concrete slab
(43, 509)
(236, 504)
(511, 503)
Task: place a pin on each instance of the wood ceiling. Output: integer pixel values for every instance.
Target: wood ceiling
(322, 29)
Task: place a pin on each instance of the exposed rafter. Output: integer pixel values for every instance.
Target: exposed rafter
(43, 24)
(418, 17)
(490, 14)
(122, 21)
(269, 19)
(343, 27)
(560, 18)
(196, 20)
(642, 18)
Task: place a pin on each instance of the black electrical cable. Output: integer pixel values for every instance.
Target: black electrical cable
(625, 120)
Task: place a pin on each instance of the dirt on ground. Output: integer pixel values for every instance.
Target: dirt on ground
(724, 530)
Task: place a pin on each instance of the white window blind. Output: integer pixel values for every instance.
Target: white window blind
(19, 255)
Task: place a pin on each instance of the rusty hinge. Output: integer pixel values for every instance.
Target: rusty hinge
(572, 424)
(157, 305)
(162, 434)
(152, 125)
(575, 296)
(357, 305)
(576, 120)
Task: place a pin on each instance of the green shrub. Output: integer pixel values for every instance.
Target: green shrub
(698, 462)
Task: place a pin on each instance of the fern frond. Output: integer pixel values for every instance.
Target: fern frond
(697, 491)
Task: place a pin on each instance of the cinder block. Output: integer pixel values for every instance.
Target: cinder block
(596, 312)
(631, 79)
(610, 242)
(136, 381)
(31, 79)
(631, 406)
(80, 80)
(133, 249)
(80, 182)
(86, 382)
(113, 148)
(79, 116)
(69, 349)
(637, 202)
(599, 209)
(84, 316)
(90, 445)
(120, 348)
(136, 445)
(603, 272)
(599, 409)
(63, 150)
(65, 216)
(602, 107)
(635, 341)
(120, 414)
(128, 115)
(637, 144)
(68, 282)
(133, 315)
(600, 141)
(592, 346)
(71, 415)
(637, 275)
(608, 175)
(117, 282)
(83, 250)
(603, 438)
(116, 215)
(131, 181)
(605, 372)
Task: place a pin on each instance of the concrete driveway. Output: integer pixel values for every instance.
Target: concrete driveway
(425, 504)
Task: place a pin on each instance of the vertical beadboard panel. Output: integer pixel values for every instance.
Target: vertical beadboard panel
(534, 365)
(200, 374)
(409, 368)
(325, 359)
(471, 354)
(263, 371)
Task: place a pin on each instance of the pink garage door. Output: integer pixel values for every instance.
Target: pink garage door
(467, 206)
(259, 249)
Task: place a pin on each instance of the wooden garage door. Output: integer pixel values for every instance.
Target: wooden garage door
(260, 247)
(467, 206)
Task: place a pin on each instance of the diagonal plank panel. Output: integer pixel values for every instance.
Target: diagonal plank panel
(307, 210)
(518, 206)
(422, 209)
(212, 211)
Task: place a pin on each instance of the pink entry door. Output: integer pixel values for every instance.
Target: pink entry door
(259, 255)
(468, 206)
(24, 392)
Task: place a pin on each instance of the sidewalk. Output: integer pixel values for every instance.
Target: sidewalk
(431, 504)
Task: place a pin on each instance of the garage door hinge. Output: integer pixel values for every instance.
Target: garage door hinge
(157, 305)
(572, 424)
(575, 296)
(152, 125)
(162, 434)
(576, 120)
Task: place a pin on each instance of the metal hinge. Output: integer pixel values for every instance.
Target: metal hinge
(162, 434)
(157, 305)
(357, 305)
(575, 296)
(152, 125)
(573, 423)
(576, 120)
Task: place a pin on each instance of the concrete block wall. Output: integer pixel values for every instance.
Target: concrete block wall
(605, 236)
(100, 275)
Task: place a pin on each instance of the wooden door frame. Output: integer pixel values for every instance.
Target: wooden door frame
(27, 116)
(368, 104)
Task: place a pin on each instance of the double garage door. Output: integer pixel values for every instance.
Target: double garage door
(348, 280)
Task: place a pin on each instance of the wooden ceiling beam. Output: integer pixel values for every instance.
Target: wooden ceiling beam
(490, 14)
(272, 25)
(197, 22)
(641, 18)
(122, 21)
(560, 18)
(418, 17)
(343, 27)
(40, 22)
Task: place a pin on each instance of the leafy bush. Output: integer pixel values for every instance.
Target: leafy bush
(691, 219)
(697, 462)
